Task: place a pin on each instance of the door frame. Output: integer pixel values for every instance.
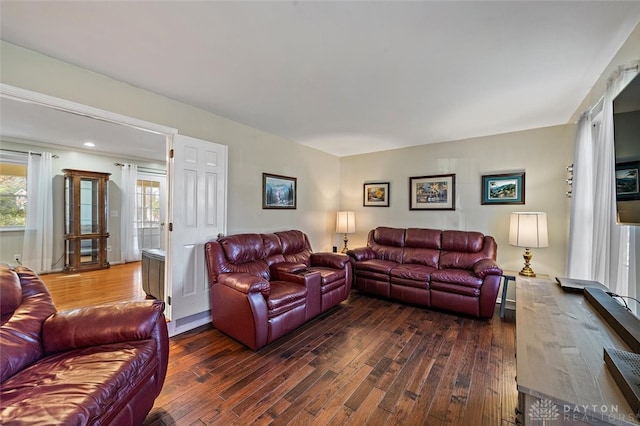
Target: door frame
(29, 96)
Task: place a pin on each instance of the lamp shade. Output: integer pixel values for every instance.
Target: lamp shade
(528, 229)
(346, 223)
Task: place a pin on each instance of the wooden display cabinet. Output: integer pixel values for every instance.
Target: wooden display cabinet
(85, 220)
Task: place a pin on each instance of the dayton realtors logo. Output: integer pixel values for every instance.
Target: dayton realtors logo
(544, 410)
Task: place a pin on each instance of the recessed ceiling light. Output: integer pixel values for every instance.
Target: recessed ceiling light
(89, 144)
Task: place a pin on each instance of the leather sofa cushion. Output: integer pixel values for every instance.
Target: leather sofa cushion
(78, 387)
(295, 246)
(462, 249)
(329, 275)
(271, 245)
(243, 248)
(462, 241)
(423, 238)
(376, 265)
(11, 292)
(421, 256)
(457, 276)
(389, 236)
(285, 296)
(414, 272)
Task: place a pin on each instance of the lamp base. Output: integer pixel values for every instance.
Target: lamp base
(345, 248)
(526, 270)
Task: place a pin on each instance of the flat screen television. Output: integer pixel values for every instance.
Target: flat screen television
(626, 128)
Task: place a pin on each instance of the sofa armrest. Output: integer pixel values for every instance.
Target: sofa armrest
(484, 267)
(362, 253)
(277, 269)
(329, 260)
(101, 325)
(312, 281)
(245, 283)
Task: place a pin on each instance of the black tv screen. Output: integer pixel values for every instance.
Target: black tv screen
(626, 125)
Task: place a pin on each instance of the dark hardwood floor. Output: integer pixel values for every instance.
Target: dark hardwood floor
(369, 361)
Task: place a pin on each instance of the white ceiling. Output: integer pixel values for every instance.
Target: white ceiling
(346, 77)
(26, 122)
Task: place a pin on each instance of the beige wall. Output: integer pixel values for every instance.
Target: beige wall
(251, 151)
(543, 154)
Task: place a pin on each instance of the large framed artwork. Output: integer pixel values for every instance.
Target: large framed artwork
(627, 184)
(279, 192)
(506, 188)
(436, 192)
(376, 194)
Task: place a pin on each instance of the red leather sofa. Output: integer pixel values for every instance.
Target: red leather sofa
(451, 270)
(265, 285)
(99, 365)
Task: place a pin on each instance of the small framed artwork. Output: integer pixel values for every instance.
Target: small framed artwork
(437, 192)
(376, 194)
(507, 188)
(627, 184)
(279, 192)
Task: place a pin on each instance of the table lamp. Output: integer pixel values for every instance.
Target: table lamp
(345, 224)
(528, 230)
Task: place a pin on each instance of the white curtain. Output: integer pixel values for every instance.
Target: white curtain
(580, 242)
(599, 249)
(37, 247)
(128, 230)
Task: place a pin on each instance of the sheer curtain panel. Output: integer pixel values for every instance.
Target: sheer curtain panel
(128, 231)
(37, 248)
(599, 248)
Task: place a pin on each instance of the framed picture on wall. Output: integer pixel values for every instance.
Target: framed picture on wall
(627, 184)
(506, 188)
(436, 192)
(376, 194)
(279, 192)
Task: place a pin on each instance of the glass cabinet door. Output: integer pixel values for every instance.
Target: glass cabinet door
(85, 209)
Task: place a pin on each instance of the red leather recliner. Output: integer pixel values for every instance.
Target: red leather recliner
(97, 365)
(265, 285)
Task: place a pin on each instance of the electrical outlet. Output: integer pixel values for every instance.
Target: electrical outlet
(108, 248)
(17, 257)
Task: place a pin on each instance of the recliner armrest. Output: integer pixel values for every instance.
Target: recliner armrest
(484, 267)
(362, 253)
(101, 325)
(245, 283)
(329, 260)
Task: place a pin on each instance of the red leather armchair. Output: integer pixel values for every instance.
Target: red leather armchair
(265, 285)
(451, 270)
(96, 365)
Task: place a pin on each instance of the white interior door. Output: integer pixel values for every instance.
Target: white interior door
(198, 213)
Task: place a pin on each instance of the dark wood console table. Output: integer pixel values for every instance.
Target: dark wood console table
(561, 375)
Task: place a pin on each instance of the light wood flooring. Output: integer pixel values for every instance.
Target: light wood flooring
(367, 362)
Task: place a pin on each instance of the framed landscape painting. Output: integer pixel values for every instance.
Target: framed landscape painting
(627, 184)
(505, 188)
(376, 194)
(436, 192)
(279, 192)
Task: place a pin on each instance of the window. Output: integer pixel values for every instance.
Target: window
(13, 190)
(148, 213)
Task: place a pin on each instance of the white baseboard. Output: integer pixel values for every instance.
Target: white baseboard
(182, 325)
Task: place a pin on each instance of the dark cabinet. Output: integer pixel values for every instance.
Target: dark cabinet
(85, 220)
